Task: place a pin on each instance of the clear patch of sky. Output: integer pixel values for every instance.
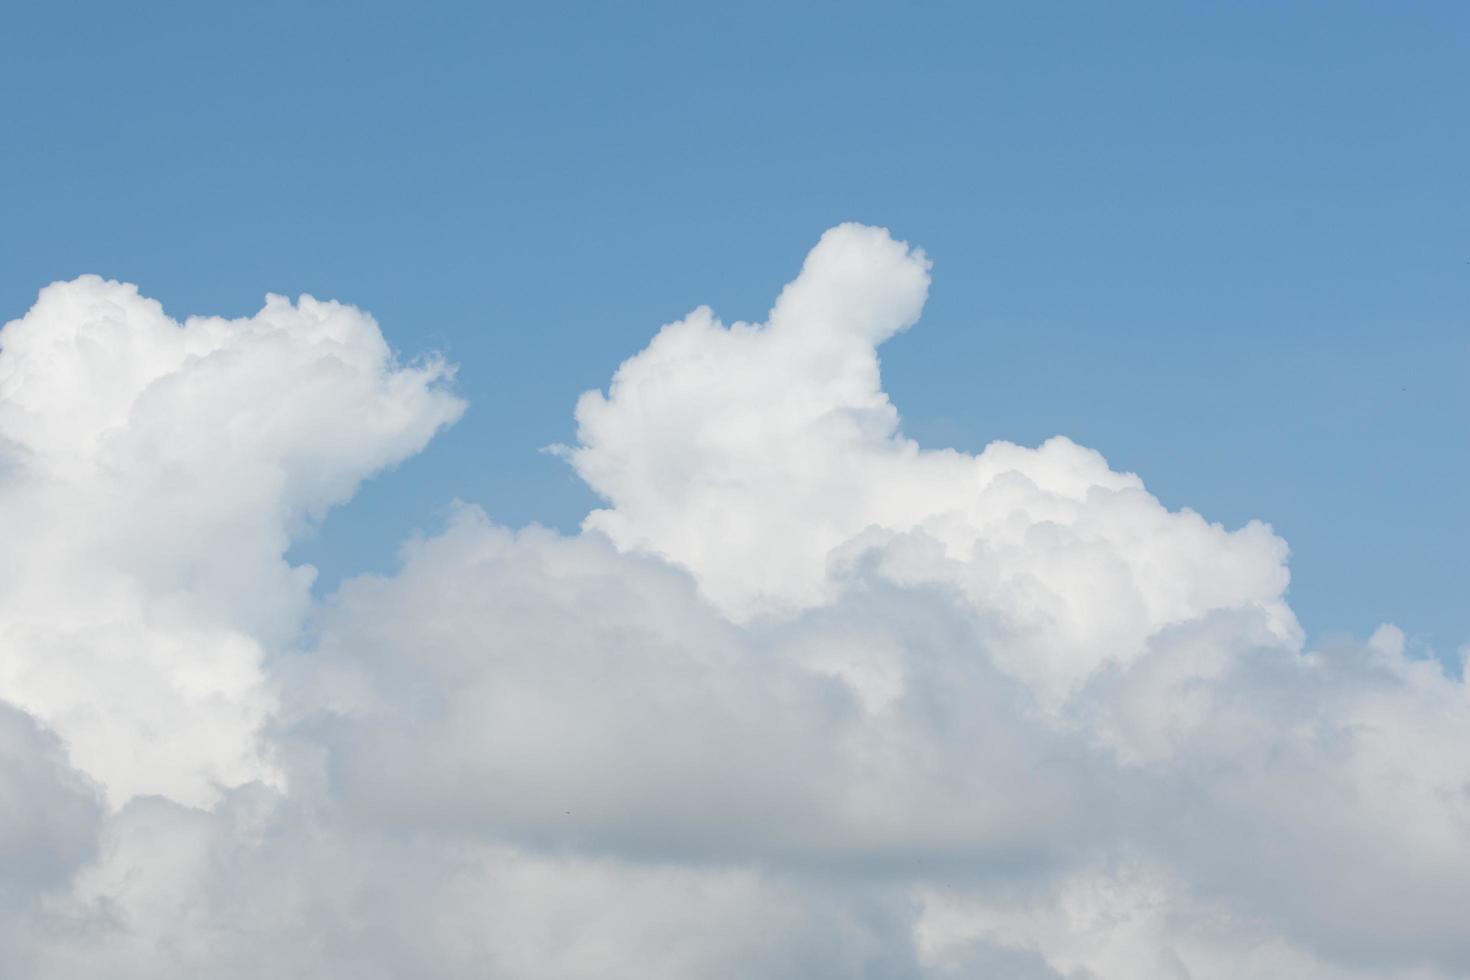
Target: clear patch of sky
(1226, 245)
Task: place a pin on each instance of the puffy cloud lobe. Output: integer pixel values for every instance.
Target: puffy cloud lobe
(804, 699)
(567, 695)
(765, 458)
(154, 472)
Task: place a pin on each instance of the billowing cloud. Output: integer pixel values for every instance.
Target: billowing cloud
(767, 461)
(803, 699)
(153, 475)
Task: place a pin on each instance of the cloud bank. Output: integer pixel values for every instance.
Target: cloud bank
(803, 699)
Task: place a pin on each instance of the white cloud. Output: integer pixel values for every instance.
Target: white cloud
(766, 459)
(804, 700)
(154, 473)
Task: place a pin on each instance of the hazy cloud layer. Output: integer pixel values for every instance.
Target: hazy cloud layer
(804, 699)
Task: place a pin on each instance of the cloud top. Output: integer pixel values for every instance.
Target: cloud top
(767, 460)
(155, 473)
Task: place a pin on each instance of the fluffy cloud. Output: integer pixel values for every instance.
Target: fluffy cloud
(153, 475)
(767, 461)
(802, 700)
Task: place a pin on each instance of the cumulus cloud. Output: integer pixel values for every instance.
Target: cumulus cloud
(154, 473)
(803, 699)
(767, 461)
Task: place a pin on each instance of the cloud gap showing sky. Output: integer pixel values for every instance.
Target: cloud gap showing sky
(801, 699)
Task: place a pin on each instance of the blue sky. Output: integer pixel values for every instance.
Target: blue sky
(1228, 246)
